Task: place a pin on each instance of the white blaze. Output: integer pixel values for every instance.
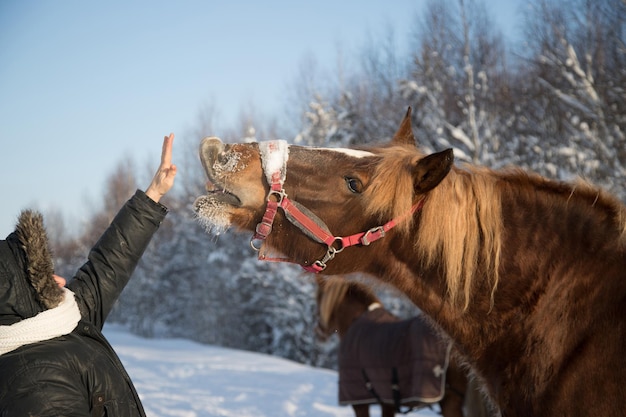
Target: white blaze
(350, 152)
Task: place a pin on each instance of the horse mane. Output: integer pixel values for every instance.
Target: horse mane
(334, 290)
(470, 234)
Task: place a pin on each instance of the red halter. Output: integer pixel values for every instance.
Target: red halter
(308, 222)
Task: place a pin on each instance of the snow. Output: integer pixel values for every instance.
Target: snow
(274, 156)
(177, 377)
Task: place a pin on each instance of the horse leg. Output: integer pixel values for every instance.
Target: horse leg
(476, 405)
(388, 410)
(452, 402)
(361, 410)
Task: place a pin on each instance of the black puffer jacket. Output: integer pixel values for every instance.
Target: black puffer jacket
(78, 374)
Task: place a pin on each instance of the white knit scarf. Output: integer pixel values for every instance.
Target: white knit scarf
(44, 326)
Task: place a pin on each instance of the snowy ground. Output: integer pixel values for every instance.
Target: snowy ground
(181, 378)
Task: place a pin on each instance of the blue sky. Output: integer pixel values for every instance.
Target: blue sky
(85, 84)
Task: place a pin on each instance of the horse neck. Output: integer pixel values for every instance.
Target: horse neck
(553, 237)
(347, 312)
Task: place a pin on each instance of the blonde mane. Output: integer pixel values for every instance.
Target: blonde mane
(469, 233)
(334, 290)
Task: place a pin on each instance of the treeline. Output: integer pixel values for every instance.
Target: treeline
(553, 99)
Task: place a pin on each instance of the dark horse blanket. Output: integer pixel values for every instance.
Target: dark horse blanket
(384, 351)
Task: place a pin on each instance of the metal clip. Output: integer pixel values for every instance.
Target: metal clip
(320, 266)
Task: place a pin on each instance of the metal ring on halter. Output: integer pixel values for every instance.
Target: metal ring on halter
(280, 195)
(254, 247)
(339, 240)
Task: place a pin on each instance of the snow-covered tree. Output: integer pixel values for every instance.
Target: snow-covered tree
(576, 95)
(457, 80)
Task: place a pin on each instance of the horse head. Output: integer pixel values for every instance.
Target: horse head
(316, 202)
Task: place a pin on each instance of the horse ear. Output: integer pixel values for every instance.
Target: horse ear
(404, 135)
(430, 170)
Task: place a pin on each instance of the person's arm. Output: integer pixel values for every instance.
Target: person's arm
(113, 259)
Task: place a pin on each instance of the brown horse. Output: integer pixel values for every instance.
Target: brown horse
(526, 275)
(367, 356)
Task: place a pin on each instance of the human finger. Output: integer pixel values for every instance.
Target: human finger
(166, 153)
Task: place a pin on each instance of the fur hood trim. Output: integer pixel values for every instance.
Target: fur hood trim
(33, 240)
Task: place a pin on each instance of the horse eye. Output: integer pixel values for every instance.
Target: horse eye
(354, 185)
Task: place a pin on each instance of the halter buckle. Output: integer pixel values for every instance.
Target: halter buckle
(368, 238)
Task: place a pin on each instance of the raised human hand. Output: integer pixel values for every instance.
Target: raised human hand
(163, 179)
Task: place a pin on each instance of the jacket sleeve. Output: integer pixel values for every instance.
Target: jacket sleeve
(111, 262)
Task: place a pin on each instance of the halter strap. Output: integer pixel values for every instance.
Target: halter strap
(301, 217)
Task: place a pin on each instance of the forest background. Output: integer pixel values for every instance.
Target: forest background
(553, 102)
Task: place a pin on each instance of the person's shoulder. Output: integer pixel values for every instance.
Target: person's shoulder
(35, 361)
